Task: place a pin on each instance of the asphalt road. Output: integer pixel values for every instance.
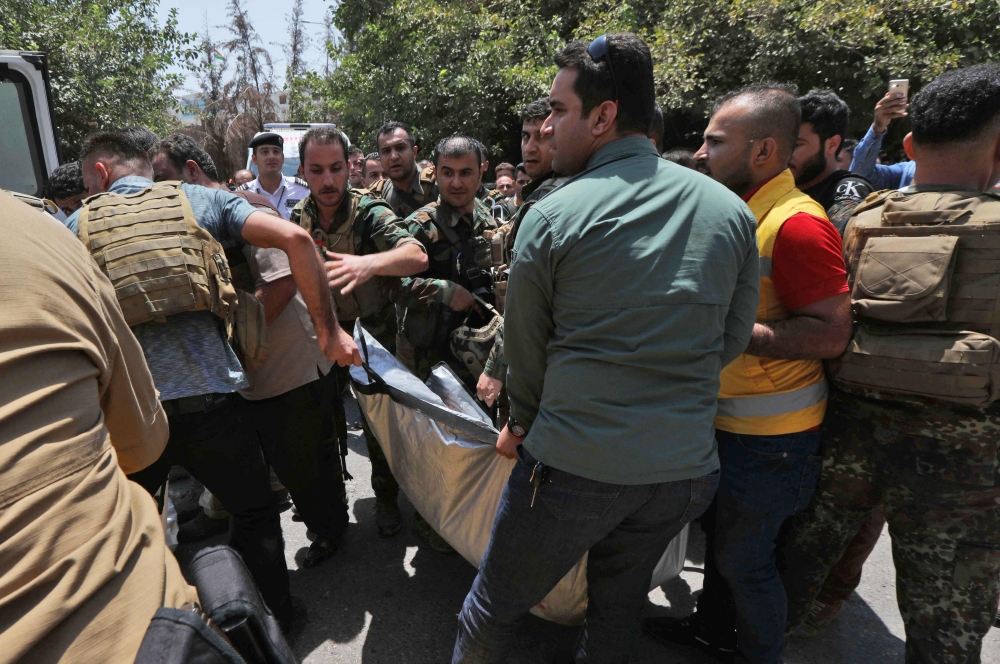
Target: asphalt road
(395, 601)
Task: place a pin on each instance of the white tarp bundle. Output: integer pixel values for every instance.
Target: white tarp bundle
(440, 446)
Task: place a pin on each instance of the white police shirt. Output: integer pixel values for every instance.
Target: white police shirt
(285, 197)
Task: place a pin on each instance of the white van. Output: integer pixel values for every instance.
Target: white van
(28, 141)
(291, 133)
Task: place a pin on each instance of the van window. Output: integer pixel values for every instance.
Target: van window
(21, 166)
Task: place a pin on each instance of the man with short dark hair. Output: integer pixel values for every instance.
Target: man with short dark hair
(825, 117)
(65, 187)
(504, 168)
(593, 352)
(268, 155)
(356, 160)
(902, 433)
(434, 304)
(141, 136)
(521, 180)
(371, 170)
(184, 336)
(405, 188)
(846, 155)
(179, 157)
(772, 399)
(294, 395)
(505, 185)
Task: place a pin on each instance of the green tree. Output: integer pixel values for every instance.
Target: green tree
(108, 60)
(467, 65)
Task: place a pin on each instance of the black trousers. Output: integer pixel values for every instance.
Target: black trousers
(298, 433)
(220, 451)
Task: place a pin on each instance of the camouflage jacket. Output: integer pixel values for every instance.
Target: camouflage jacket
(375, 229)
(431, 225)
(423, 190)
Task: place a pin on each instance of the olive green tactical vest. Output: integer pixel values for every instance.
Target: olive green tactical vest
(159, 259)
(924, 271)
(370, 297)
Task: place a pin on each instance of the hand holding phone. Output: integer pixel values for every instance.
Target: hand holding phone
(892, 106)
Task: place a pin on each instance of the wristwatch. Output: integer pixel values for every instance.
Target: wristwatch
(515, 428)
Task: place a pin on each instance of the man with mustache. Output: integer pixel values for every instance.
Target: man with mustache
(405, 188)
(364, 246)
(282, 191)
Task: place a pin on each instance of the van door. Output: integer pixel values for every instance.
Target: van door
(28, 151)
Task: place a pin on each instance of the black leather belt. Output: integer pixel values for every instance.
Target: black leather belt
(203, 403)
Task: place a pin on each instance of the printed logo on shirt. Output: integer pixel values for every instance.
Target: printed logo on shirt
(849, 189)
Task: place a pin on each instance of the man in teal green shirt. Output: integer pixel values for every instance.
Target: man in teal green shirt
(631, 286)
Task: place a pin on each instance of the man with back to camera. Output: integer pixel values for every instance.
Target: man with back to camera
(85, 562)
(371, 170)
(242, 177)
(613, 374)
(536, 150)
(281, 190)
(814, 161)
(405, 188)
(365, 247)
(912, 445)
(772, 399)
(185, 342)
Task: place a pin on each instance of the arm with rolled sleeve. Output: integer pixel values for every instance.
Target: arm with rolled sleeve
(742, 312)
(528, 322)
(892, 176)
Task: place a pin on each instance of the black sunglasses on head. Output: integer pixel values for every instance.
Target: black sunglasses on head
(598, 50)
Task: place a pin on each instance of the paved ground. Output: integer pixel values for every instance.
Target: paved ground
(395, 601)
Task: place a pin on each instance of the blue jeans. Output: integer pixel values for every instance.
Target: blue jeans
(765, 480)
(625, 528)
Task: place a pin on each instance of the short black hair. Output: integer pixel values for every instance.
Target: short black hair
(65, 181)
(957, 106)
(354, 149)
(681, 157)
(633, 74)
(774, 112)
(371, 156)
(828, 113)
(519, 169)
(142, 136)
(457, 145)
(390, 127)
(480, 148)
(655, 131)
(122, 145)
(323, 136)
(536, 110)
(180, 148)
(848, 145)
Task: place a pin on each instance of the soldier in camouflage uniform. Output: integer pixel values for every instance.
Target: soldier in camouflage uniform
(365, 247)
(537, 152)
(456, 232)
(934, 464)
(406, 188)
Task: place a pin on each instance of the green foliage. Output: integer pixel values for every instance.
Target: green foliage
(108, 60)
(449, 66)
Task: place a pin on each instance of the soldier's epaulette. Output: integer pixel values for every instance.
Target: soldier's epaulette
(428, 175)
(378, 188)
(299, 181)
(243, 187)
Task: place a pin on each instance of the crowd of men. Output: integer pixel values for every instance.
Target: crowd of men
(748, 335)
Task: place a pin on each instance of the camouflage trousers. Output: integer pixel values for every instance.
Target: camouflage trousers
(936, 469)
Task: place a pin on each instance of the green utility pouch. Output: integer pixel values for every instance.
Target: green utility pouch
(250, 331)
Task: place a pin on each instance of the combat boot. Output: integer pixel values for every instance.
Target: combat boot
(820, 616)
(388, 520)
(423, 529)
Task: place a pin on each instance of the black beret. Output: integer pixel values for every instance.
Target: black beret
(267, 138)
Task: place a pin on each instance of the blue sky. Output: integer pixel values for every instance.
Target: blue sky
(269, 18)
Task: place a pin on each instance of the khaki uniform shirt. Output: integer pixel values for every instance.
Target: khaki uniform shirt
(83, 562)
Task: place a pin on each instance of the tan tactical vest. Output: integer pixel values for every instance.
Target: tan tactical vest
(370, 297)
(160, 261)
(924, 270)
